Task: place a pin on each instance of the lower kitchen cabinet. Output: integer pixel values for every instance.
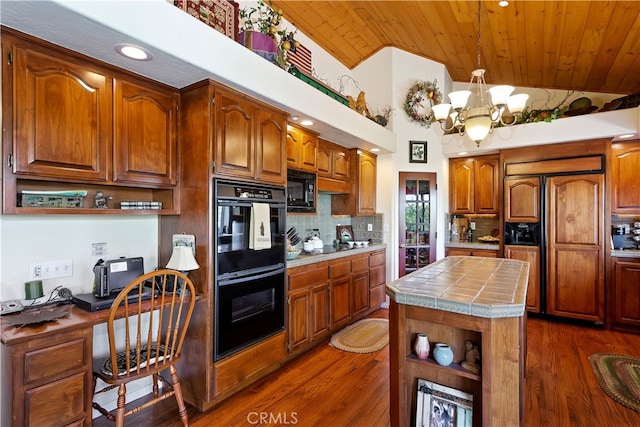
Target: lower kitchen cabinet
(377, 279)
(531, 254)
(360, 286)
(340, 302)
(626, 298)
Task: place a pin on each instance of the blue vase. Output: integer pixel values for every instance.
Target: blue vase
(443, 354)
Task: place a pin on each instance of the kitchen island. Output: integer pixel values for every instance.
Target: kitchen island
(454, 300)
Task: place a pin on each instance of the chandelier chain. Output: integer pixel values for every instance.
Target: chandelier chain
(479, 2)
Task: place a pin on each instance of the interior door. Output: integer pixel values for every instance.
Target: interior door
(575, 255)
(417, 221)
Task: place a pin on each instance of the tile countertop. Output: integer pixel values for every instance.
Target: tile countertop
(625, 253)
(304, 259)
(472, 245)
(477, 286)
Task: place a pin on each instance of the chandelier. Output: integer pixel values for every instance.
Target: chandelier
(479, 120)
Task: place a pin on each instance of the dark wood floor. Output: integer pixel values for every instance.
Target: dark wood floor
(329, 387)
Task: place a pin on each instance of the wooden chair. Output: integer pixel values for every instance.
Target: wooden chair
(139, 350)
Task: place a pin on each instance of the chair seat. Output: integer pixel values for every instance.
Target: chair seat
(121, 360)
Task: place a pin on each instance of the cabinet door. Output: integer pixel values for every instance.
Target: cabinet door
(299, 312)
(360, 290)
(320, 311)
(341, 163)
(530, 254)
(575, 256)
(522, 199)
(461, 186)
(302, 149)
(61, 116)
(626, 309)
(366, 183)
(625, 164)
(270, 140)
(457, 252)
(234, 136)
(486, 185)
(340, 301)
(325, 159)
(145, 128)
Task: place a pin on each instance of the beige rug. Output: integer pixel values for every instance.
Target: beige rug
(365, 336)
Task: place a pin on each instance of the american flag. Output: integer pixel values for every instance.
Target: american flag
(301, 59)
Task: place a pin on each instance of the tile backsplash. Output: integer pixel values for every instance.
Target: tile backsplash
(326, 223)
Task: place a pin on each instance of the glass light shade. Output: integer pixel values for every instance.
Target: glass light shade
(459, 98)
(478, 123)
(516, 103)
(441, 111)
(500, 94)
(182, 259)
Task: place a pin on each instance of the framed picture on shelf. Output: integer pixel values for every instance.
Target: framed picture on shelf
(344, 233)
(441, 406)
(417, 151)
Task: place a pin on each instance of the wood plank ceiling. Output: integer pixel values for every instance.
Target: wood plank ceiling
(562, 44)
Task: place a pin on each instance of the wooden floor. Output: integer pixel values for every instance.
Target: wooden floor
(329, 387)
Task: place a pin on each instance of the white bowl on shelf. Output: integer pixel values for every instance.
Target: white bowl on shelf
(293, 254)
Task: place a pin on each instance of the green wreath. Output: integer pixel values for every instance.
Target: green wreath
(418, 93)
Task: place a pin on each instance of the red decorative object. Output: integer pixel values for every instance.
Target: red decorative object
(301, 58)
(221, 15)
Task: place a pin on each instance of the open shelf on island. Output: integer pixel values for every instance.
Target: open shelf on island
(456, 367)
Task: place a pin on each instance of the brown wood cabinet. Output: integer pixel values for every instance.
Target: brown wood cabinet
(471, 252)
(625, 164)
(474, 186)
(340, 288)
(109, 131)
(626, 294)
(215, 119)
(530, 254)
(575, 254)
(51, 380)
(522, 199)
(308, 299)
(249, 139)
(361, 200)
(333, 161)
(302, 147)
(360, 286)
(377, 279)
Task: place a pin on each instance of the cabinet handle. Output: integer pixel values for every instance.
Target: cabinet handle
(402, 246)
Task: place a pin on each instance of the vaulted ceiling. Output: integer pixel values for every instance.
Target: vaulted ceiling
(563, 44)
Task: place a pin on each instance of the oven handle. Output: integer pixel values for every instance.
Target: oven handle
(247, 204)
(244, 278)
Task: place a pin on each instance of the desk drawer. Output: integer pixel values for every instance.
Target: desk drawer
(57, 403)
(55, 360)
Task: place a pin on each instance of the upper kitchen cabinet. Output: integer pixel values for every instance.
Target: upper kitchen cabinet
(522, 199)
(625, 163)
(145, 130)
(302, 147)
(73, 122)
(474, 186)
(333, 161)
(361, 200)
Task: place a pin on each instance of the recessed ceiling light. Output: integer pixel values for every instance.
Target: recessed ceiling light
(375, 150)
(503, 3)
(626, 135)
(306, 123)
(133, 52)
(462, 153)
(295, 118)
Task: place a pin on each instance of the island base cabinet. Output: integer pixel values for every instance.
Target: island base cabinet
(497, 390)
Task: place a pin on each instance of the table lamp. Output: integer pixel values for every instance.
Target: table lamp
(183, 260)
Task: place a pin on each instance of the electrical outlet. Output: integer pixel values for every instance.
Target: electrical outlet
(50, 269)
(472, 224)
(369, 227)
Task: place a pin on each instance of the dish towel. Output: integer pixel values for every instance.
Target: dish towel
(260, 227)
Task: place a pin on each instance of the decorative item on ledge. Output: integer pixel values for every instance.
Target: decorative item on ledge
(221, 15)
(421, 346)
(321, 87)
(52, 199)
(443, 354)
(140, 205)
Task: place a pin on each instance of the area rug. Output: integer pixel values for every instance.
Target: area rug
(365, 336)
(619, 377)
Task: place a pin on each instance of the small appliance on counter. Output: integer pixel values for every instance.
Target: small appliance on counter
(459, 227)
(618, 236)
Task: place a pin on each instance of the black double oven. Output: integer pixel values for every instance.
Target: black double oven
(249, 283)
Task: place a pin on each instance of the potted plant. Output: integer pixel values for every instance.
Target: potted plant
(261, 32)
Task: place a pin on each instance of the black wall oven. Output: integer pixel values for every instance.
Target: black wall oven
(249, 284)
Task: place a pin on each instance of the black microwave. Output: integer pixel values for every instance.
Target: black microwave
(301, 191)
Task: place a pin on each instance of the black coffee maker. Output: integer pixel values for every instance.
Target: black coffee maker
(618, 236)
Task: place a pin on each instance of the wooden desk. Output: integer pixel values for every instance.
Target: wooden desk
(47, 370)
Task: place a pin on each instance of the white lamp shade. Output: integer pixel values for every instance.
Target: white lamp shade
(500, 94)
(516, 103)
(478, 123)
(441, 111)
(459, 98)
(182, 259)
